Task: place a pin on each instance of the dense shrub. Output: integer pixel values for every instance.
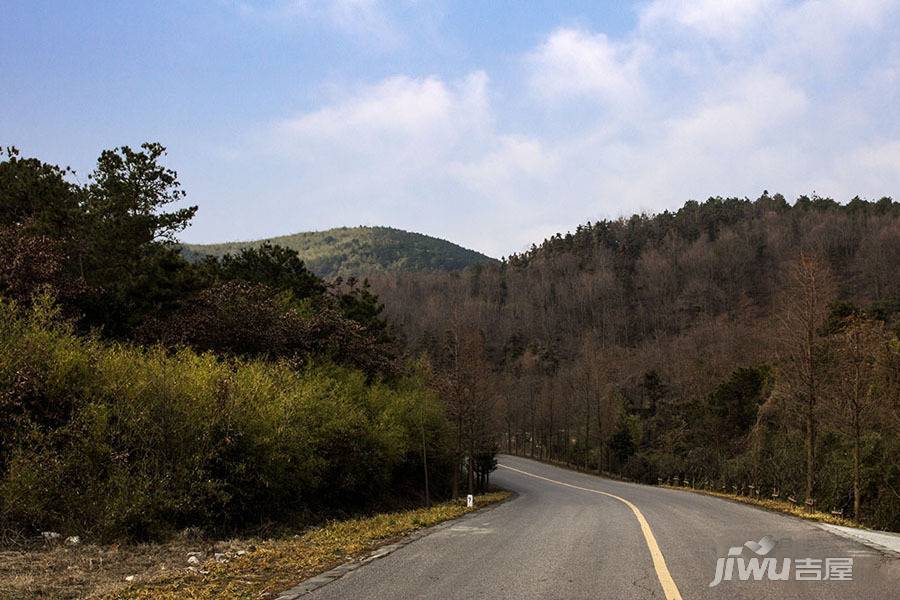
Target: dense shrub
(30, 264)
(110, 440)
(252, 320)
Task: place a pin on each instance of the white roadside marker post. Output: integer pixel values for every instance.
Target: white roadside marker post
(470, 501)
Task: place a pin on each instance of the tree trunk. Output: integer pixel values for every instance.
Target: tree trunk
(587, 434)
(425, 464)
(857, 407)
(599, 434)
(471, 462)
(457, 455)
(856, 444)
(533, 430)
(810, 410)
(520, 443)
(550, 433)
(810, 448)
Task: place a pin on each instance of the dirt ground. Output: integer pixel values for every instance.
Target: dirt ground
(187, 567)
(62, 571)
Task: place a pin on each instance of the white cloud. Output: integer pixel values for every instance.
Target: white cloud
(400, 121)
(420, 153)
(368, 22)
(514, 165)
(753, 105)
(873, 166)
(399, 106)
(575, 63)
(882, 156)
(714, 18)
(731, 143)
(701, 98)
(366, 18)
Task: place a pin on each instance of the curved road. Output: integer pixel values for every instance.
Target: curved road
(570, 535)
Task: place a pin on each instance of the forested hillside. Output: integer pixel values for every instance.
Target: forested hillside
(731, 342)
(734, 343)
(360, 251)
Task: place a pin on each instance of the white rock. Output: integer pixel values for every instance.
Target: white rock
(193, 560)
(129, 578)
(73, 540)
(241, 552)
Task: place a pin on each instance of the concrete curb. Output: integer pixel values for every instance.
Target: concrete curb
(313, 583)
(877, 540)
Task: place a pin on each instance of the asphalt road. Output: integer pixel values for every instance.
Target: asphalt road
(559, 538)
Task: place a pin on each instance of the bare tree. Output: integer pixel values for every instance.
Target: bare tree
(808, 290)
(859, 344)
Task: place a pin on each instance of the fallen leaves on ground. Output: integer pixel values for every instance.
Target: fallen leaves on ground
(775, 505)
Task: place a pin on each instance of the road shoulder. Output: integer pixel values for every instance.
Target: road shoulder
(883, 541)
(313, 583)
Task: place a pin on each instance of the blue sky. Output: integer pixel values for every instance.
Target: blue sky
(492, 124)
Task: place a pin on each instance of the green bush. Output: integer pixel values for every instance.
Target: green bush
(109, 440)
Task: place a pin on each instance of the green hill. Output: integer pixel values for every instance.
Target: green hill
(359, 251)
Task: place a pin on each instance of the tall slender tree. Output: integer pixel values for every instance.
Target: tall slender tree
(808, 291)
(859, 344)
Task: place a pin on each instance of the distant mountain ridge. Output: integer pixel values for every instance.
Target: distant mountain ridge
(359, 251)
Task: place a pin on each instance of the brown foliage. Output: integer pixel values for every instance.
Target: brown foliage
(245, 319)
(573, 328)
(33, 264)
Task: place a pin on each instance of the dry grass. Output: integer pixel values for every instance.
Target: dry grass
(782, 506)
(240, 568)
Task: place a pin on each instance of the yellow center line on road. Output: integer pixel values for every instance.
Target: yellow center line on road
(659, 563)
